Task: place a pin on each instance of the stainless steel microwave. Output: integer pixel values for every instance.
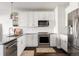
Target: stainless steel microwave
(43, 23)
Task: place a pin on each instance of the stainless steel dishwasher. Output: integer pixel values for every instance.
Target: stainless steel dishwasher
(10, 48)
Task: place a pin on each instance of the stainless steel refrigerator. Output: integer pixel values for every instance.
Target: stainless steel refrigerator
(73, 32)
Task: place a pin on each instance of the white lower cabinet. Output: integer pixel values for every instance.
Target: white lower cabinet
(1, 50)
(32, 40)
(64, 42)
(52, 40)
(29, 40)
(59, 41)
(35, 40)
(20, 45)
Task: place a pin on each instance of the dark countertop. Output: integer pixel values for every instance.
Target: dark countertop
(6, 39)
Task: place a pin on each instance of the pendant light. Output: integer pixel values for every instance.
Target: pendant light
(14, 15)
(11, 15)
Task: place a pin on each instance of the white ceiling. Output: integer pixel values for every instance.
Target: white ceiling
(38, 5)
(4, 6)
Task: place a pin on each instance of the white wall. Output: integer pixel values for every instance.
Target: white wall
(5, 17)
(6, 23)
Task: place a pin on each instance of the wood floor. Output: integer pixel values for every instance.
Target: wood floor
(32, 52)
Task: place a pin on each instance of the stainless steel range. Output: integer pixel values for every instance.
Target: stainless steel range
(44, 37)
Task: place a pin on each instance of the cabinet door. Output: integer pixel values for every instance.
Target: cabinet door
(64, 43)
(52, 40)
(23, 41)
(35, 40)
(32, 40)
(29, 41)
(2, 51)
(35, 19)
(20, 45)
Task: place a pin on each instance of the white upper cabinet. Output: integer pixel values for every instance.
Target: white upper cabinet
(29, 19)
(35, 19)
(22, 19)
(44, 15)
(34, 16)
